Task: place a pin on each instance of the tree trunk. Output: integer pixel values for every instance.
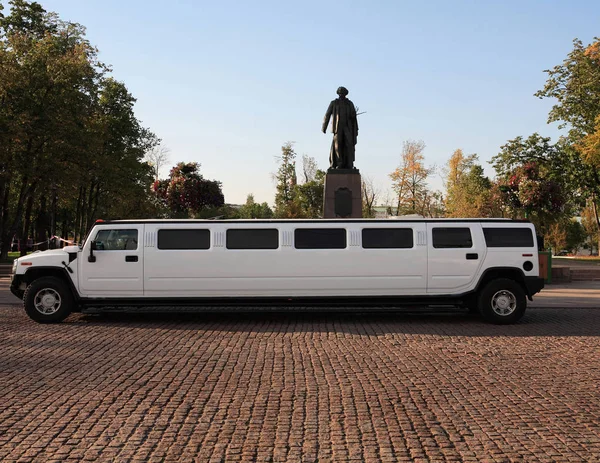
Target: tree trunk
(41, 226)
(597, 221)
(3, 192)
(6, 239)
(82, 213)
(25, 231)
(96, 197)
(53, 212)
(23, 195)
(64, 227)
(88, 212)
(77, 224)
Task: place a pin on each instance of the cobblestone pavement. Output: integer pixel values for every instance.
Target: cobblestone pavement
(300, 387)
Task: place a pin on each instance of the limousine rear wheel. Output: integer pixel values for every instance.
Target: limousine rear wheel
(502, 301)
(48, 300)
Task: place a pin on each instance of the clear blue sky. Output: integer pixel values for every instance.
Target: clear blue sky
(227, 83)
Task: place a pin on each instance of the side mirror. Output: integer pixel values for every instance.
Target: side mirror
(92, 257)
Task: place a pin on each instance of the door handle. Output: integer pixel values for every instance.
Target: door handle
(472, 256)
(131, 258)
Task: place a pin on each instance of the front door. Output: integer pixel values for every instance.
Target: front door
(117, 267)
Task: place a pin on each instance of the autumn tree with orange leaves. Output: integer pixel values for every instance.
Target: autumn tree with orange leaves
(410, 180)
(467, 189)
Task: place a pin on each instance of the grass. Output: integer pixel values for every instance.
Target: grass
(11, 257)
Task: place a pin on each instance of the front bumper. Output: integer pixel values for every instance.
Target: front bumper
(15, 285)
(534, 285)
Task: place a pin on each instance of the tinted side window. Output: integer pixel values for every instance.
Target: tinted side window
(378, 238)
(184, 239)
(116, 240)
(320, 238)
(253, 238)
(508, 237)
(452, 238)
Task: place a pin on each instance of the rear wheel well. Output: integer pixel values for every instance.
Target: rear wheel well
(514, 274)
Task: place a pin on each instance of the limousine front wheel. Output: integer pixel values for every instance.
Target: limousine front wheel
(48, 300)
(502, 301)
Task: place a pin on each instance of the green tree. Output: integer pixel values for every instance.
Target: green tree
(576, 235)
(589, 221)
(533, 178)
(69, 140)
(565, 234)
(254, 210)
(467, 188)
(309, 194)
(118, 169)
(286, 205)
(551, 158)
(528, 193)
(575, 86)
(48, 79)
(186, 193)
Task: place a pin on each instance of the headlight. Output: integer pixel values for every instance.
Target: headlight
(15, 263)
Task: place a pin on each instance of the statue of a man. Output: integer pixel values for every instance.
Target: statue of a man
(344, 126)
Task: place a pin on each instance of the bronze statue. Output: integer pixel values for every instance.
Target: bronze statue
(344, 126)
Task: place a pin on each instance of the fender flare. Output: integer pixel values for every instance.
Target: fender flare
(531, 284)
(52, 271)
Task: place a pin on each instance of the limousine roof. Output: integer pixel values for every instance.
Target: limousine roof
(402, 219)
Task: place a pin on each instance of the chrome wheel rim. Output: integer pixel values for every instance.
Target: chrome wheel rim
(504, 302)
(47, 301)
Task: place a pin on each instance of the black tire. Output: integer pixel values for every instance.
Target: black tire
(50, 295)
(502, 301)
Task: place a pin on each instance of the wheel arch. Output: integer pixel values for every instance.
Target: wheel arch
(35, 273)
(511, 273)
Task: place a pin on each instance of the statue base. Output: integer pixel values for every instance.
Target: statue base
(343, 194)
(354, 170)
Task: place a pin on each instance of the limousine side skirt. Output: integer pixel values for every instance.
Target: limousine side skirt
(222, 303)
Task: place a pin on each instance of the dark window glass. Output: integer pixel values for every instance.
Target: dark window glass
(508, 237)
(184, 239)
(320, 238)
(116, 240)
(377, 238)
(452, 238)
(253, 238)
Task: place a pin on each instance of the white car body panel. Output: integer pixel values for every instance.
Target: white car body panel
(286, 271)
(218, 272)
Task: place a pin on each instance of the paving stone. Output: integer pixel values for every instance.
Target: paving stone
(300, 387)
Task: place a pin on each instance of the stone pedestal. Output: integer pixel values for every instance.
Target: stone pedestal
(342, 198)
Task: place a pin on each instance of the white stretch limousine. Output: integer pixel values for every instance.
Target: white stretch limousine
(490, 266)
